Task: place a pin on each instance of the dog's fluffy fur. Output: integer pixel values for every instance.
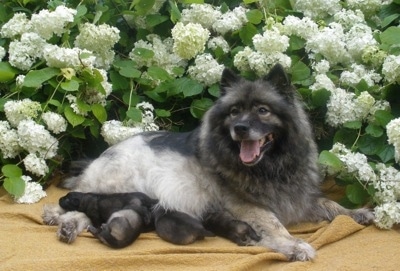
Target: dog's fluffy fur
(253, 155)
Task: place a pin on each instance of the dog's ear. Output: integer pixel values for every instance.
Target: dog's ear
(280, 80)
(228, 79)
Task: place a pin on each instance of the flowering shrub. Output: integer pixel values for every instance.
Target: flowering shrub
(78, 75)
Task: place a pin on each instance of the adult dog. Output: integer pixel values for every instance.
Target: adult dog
(253, 157)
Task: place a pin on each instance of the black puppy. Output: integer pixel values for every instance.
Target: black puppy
(117, 219)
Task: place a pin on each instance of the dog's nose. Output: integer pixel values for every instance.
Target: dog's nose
(241, 129)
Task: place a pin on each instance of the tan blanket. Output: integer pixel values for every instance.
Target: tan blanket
(27, 244)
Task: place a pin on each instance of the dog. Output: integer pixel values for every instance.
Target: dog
(253, 155)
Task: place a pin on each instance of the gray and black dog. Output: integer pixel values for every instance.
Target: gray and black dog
(253, 155)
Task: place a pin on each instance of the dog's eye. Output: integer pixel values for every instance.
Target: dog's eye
(263, 110)
(234, 111)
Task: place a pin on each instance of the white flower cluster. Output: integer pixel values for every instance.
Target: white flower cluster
(99, 39)
(355, 164)
(30, 40)
(114, 131)
(189, 39)
(356, 73)
(212, 18)
(205, 14)
(206, 70)
(47, 23)
(387, 193)
(317, 9)
(391, 69)
(385, 180)
(269, 50)
(345, 106)
(304, 28)
(230, 20)
(19, 110)
(33, 192)
(54, 122)
(368, 7)
(92, 95)
(393, 133)
(21, 134)
(218, 42)
(164, 57)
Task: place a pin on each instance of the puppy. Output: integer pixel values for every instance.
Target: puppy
(117, 219)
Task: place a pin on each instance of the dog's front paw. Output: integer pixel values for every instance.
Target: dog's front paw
(362, 216)
(301, 251)
(51, 214)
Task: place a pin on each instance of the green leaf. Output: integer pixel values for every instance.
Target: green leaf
(153, 20)
(391, 36)
(192, 1)
(389, 19)
(330, 160)
(143, 53)
(387, 153)
(134, 114)
(99, 112)
(14, 185)
(118, 81)
(200, 106)
(247, 32)
(174, 11)
(11, 170)
(320, 97)
(296, 43)
(383, 117)
(254, 16)
(143, 6)
(374, 130)
(71, 85)
(130, 99)
(214, 90)
(7, 72)
(188, 87)
(162, 113)
(355, 125)
(73, 118)
(130, 72)
(158, 73)
(36, 78)
(300, 71)
(356, 193)
(371, 145)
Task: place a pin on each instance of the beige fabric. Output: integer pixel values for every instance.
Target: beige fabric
(27, 244)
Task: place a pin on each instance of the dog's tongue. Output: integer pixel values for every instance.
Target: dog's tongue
(249, 150)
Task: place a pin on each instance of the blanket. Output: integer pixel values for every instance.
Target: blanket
(27, 244)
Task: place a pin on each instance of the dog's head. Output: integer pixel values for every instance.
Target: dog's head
(71, 201)
(256, 112)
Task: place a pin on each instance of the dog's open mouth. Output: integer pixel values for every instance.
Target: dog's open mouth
(251, 151)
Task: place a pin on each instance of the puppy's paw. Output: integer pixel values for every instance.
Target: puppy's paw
(71, 224)
(301, 251)
(362, 216)
(67, 231)
(51, 214)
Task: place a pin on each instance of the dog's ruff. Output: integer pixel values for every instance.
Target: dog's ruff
(253, 156)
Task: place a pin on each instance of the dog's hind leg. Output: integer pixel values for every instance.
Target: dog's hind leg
(326, 209)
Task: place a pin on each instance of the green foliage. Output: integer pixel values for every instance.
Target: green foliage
(137, 75)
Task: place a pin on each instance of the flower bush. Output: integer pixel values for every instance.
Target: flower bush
(76, 76)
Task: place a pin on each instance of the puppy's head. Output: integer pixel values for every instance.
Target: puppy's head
(71, 201)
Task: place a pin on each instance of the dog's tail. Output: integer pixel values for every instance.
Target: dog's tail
(74, 171)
